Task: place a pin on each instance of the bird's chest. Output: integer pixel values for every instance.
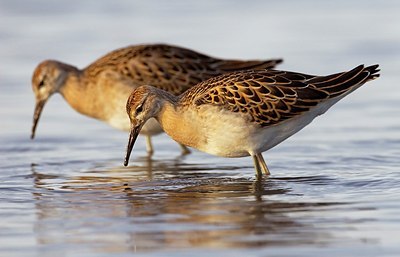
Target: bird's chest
(224, 133)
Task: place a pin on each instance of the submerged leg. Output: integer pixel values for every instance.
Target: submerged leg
(257, 167)
(149, 145)
(184, 149)
(262, 163)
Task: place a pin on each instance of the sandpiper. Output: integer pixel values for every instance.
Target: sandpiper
(100, 90)
(242, 113)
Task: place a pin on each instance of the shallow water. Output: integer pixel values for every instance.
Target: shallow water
(334, 188)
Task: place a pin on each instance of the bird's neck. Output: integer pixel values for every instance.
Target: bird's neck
(177, 121)
(102, 97)
(76, 92)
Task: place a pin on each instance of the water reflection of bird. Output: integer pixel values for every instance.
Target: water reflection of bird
(134, 214)
(100, 90)
(243, 113)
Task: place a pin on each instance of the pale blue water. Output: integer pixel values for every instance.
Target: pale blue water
(335, 186)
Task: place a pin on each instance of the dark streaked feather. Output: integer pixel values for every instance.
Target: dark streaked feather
(269, 97)
(170, 68)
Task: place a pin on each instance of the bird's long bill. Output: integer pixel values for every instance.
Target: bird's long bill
(132, 139)
(36, 116)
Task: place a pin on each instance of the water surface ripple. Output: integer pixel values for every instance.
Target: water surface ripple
(334, 188)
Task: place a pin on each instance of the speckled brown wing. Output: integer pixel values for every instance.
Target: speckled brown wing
(270, 97)
(170, 68)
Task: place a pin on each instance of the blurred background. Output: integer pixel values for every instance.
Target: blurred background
(312, 36)
(348, 153)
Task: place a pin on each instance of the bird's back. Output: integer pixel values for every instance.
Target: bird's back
(171, 68)
(270, 97)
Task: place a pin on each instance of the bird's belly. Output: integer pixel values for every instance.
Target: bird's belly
(245, 140)
(119, 122)
(231, 141)
(226, 134)
(232, 135)
(151, 127)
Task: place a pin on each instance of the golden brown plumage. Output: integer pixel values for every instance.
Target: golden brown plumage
(270, 96)
(101, 89)
(243, 113)
(170, 68)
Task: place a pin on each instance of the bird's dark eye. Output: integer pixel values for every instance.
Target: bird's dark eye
(41, 84)
(139, 109)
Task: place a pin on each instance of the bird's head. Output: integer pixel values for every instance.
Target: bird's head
(48, 77)
(142, 104)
